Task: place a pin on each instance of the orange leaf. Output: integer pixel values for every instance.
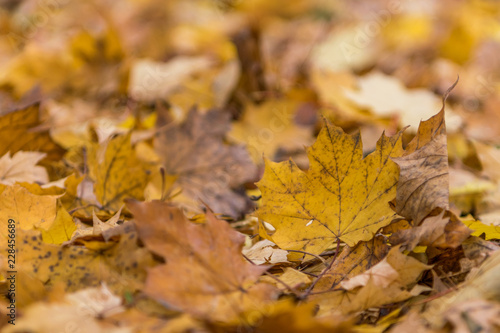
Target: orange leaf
(217, 283)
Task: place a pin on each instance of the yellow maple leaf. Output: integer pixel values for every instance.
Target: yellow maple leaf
(27, 210)
(61, 229)
(490, 231)
(341, 197)
(119, 175)
(19, 131)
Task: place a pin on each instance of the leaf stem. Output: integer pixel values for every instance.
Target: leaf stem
(311, 287)
(311, 254)
(270, 275)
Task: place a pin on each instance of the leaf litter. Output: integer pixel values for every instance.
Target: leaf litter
(156, 174)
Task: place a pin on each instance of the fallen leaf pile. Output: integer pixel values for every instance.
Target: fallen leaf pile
(249, 166)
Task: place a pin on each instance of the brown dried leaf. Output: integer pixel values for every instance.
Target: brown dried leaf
(386, 288)
(443, 231)
(423, 179)
(217, 283)
(353, 261)
(207, 168)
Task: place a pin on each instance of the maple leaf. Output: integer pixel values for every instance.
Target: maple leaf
(119, 175)
(217, 283)
(207, 169)
(61, 229)
(22, 167)
(27, 210)
(18, 132)
(490, 231)
(341, 197)
(268, 66)
(423, 189)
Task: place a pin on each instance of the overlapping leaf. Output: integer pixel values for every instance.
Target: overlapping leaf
(423, 190)
(424, 181)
